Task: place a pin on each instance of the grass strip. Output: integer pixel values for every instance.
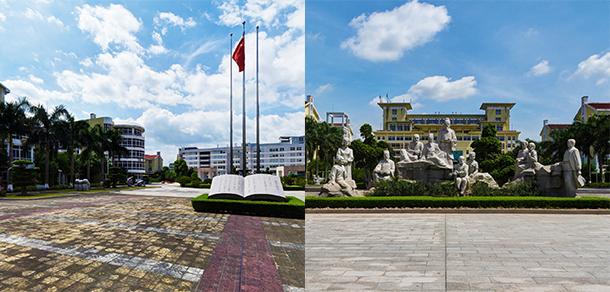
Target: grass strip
(36, 196)
(458, 202)
(294, 208)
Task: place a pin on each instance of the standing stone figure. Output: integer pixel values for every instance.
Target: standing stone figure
(434, 154)
(473, 166)
(414, 150)
(571, 169)
(460, 172)
(447, 141)
(385, 169)
(340, 173)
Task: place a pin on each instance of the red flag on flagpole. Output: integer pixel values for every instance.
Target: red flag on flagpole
(239, 55)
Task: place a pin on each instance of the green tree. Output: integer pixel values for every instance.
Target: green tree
(13, 123)
(180, 167)
(23, 176)
(488, 147)
(90, 141)
(46, 132)
(72, 134)
(368, 153)
(489, 154)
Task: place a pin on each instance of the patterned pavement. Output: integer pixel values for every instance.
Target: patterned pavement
(117, 242)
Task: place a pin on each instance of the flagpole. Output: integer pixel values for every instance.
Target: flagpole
(258, 136)
(243, 160)
(230, 156)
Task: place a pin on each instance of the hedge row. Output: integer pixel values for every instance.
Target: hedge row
(459, 202)
(294, 208)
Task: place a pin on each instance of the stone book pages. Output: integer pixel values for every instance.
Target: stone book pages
(256, 187)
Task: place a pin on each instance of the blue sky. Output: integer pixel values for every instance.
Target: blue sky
(451, 56)
(164, 64)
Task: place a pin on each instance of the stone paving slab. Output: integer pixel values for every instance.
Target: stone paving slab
(457, 252)
(113, 242)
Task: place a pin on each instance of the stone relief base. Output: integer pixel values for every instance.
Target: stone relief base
(423, 171)
(346, 188)
(549, 179)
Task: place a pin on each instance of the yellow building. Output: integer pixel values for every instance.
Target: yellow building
(399, 126)
(310, 109)
(153, 163)
(586, 110)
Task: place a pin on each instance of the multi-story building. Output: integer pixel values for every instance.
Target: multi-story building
(20, 150)
(3, 91)
(153, 163)
(290, 151)
(399, 126)
(586, 110)
(310, 109)
(340, 120)
(133, 140)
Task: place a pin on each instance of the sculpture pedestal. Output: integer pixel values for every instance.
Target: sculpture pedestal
(423, 171)
(334, 189)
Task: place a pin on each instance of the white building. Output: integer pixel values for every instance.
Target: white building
(133, 140)
(289, 151)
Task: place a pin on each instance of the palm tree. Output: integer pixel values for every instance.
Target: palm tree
(46, 131)
(71, 137)
(13, 121)
(110, 141)
(90, 141)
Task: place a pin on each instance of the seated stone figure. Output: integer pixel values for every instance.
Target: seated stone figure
(413, 151)
(460, 173)
(473, 165)
(385, 169)
(520, 161)
(475, 175)
(433, 153)
(532, 156)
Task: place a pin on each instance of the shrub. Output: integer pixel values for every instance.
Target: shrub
(288, 180)
(399, 187)
(59, 187)
(599, 185)
(183, 180)
(207, 181)
(294, 208)
(23, 176)
(97, 185)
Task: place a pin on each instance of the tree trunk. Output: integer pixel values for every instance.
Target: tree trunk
(46, 164)
(72, 166)
(89, 169)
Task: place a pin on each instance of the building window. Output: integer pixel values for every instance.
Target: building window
(459, 138)
(393, 119)
(500, 128)
(498, 112)
(394, 111)
(392, 127)
(391, 138)
(399, 127)
(498, 119)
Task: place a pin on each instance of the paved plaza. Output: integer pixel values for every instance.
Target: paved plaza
(457, 252)
(133, 242)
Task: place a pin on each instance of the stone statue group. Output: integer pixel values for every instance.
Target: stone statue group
(433, 162)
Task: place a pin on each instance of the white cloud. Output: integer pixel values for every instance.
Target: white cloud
(595, 67)
(269, 13)
(31, 14)
(185, 128)
(86, 62)
(35, 79)
(34, 93)
(158, 48)
(541, 68)
(324, 88)
(174, 20)
(385, 36)
(2, 17)
(114, 24)
(441, 89)
(44, 1)
(53, 19)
